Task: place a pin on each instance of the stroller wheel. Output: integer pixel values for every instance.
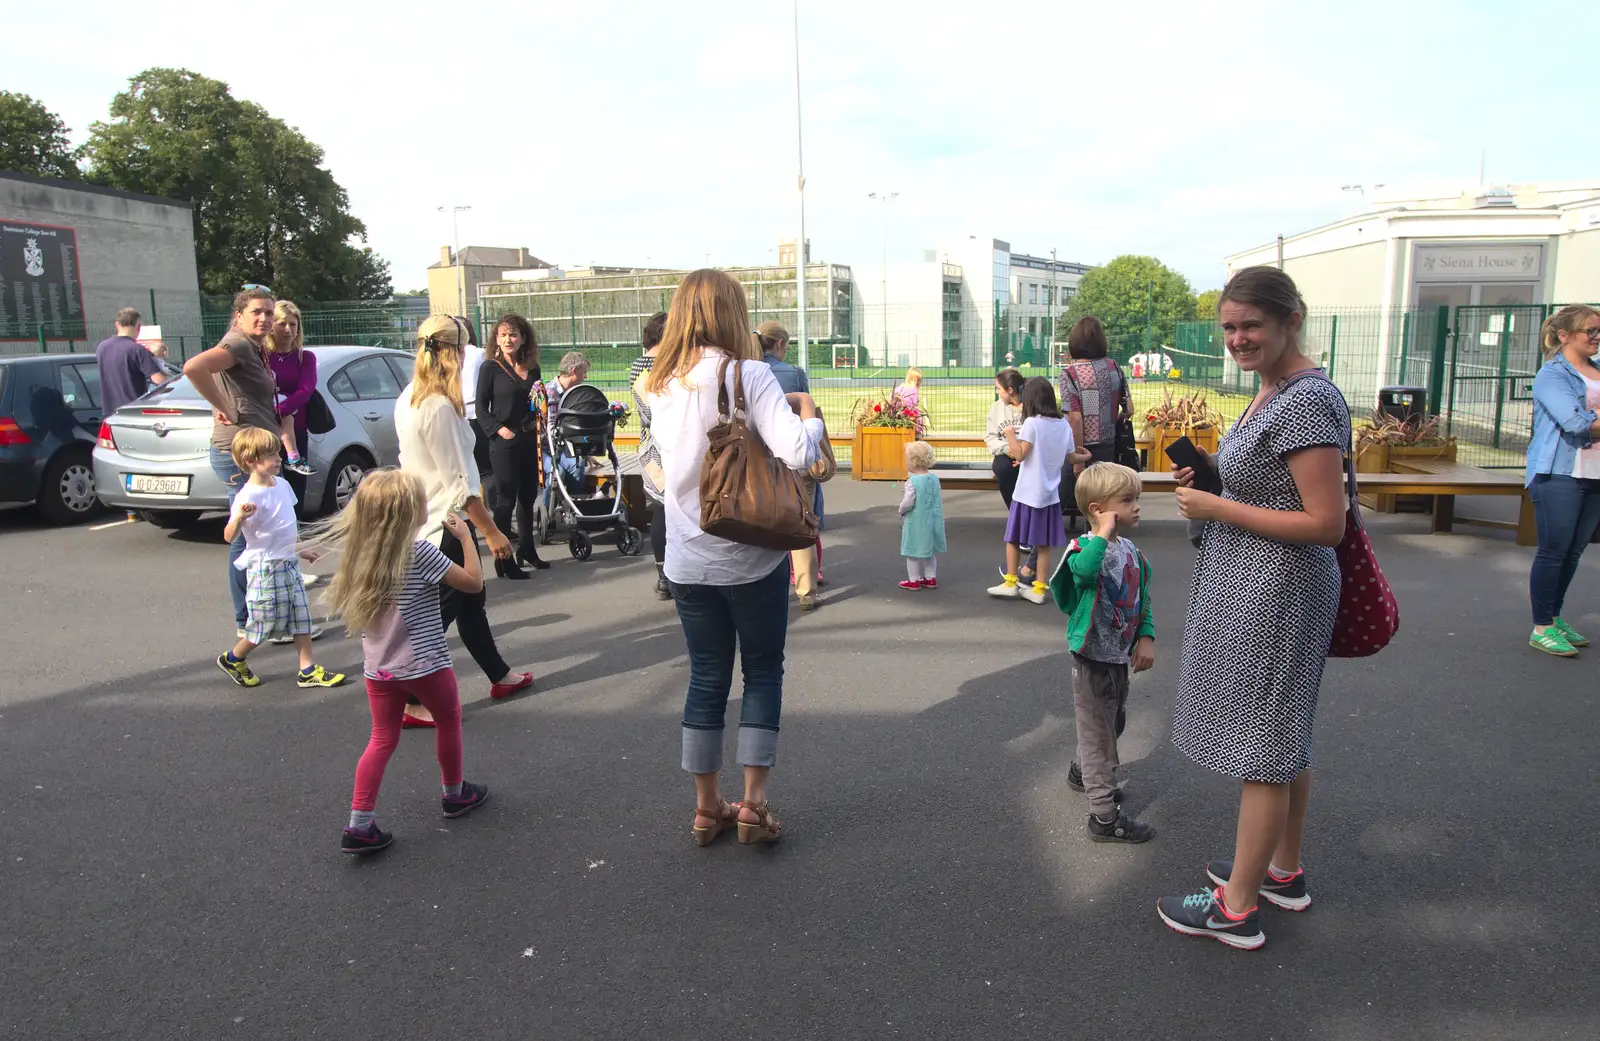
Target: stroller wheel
(630, 541)
(580, 546)
(541, 523)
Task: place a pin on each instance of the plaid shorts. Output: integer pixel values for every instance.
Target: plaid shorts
(275, 598)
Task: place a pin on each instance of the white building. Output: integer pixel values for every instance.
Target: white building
(1496, 256)
(951, 304)
(1040, 289)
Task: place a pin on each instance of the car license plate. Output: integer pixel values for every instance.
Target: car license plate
(149, 484)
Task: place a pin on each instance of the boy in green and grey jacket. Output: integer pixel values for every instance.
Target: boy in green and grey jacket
(1103, 585)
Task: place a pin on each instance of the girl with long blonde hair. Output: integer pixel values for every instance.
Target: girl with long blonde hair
(387, 588)
(294, 369)
(1563, 474)
(725, 592)
(436, 444)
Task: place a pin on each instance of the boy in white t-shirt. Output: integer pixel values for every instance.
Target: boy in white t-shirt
(275, 594)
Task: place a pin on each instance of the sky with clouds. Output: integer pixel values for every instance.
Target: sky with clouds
(650, 133)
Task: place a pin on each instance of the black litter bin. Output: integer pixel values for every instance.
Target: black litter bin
(1403, 403)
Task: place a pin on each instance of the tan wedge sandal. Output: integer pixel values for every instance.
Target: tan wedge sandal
(766, 827)
(726, 814)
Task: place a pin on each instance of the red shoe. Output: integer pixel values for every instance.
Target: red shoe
(930, 583)
(909, 584)
(518, 681)
(410, 722)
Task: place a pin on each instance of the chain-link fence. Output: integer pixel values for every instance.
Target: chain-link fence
(1474, 365)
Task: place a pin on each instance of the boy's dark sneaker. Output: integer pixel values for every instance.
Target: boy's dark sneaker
(1203, 914)
(1121, 828)
(238, 671)
(472, 796)
(360, 841)
(1291, 895)
(1075, 782)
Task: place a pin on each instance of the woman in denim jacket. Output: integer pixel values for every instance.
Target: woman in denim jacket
(1563, 477)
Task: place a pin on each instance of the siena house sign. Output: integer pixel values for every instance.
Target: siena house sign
(1482, 263)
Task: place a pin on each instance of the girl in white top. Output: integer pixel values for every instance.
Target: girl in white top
(436, 444)
(724, 591)
(1043, 446)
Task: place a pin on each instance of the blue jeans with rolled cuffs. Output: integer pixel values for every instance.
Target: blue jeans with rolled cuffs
(755, 617)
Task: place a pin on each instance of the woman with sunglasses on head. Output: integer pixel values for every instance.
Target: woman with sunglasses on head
(1563, 475)
(436, 445)
(505, 398)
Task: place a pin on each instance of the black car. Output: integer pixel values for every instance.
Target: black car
(49, 416)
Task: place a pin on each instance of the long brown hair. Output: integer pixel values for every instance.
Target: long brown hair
(708, 310)
(527, 354)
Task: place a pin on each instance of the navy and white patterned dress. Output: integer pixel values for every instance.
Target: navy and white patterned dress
(1261, 612)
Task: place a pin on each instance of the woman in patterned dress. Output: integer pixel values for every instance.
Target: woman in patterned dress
(1262, 607)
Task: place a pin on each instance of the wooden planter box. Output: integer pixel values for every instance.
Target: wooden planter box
(1374, 459)
(879, 453)
(1206, 438)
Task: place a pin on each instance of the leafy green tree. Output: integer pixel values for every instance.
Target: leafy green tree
(1127, 294)
(266, 209)
(33, 140)
(1205, 305)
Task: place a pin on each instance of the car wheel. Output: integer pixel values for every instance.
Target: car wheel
(346, 472)
(169, 519)
(66, 496)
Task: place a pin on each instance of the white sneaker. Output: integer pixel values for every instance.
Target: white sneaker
(309, 580)
(1032, 593)
(1006, 591)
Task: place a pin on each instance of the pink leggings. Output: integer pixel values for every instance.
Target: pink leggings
(387, 700)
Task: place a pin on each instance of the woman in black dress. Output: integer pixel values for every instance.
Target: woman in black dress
(505, 396)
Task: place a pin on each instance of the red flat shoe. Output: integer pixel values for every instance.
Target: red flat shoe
(520, 681)
(410, 722)
(930, 583)
(909, 584)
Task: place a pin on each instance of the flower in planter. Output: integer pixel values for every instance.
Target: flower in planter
(888, 410)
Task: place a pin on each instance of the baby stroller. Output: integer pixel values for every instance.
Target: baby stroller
(582, 432)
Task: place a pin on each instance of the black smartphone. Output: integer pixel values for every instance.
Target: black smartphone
(1183, 453)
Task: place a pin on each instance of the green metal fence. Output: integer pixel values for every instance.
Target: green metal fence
(1475, 364)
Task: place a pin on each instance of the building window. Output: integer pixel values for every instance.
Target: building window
(1033, 292)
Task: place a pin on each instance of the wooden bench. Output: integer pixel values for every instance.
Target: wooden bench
(1444, 480)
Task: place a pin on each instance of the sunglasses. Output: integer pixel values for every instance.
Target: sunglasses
(1593, 334)
(256, 285)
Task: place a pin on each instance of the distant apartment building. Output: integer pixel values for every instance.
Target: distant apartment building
(453, 281)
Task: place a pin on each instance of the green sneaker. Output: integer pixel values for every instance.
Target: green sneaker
(317, 676)
(1574, 637)
(1553, 641)
(238, 672)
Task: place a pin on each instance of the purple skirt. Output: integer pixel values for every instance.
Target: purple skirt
(1033, 526)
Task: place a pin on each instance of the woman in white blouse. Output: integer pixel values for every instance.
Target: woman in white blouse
(725, 592)
(436, 444)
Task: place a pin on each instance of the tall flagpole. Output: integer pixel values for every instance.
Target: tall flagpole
(800, 183)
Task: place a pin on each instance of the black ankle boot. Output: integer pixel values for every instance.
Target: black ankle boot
(508, 569)
(527, 554)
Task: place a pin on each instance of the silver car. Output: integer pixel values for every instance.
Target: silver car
(153, 455)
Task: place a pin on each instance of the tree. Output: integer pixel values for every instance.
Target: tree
(1205, 305)
(33, 140)
(265, 208)
(1129, 295)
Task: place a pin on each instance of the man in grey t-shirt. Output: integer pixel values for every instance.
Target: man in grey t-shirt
(233, 376)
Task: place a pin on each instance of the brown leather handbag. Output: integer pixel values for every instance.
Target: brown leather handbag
(746, 495)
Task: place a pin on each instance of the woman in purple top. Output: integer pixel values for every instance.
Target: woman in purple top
(295, 370)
